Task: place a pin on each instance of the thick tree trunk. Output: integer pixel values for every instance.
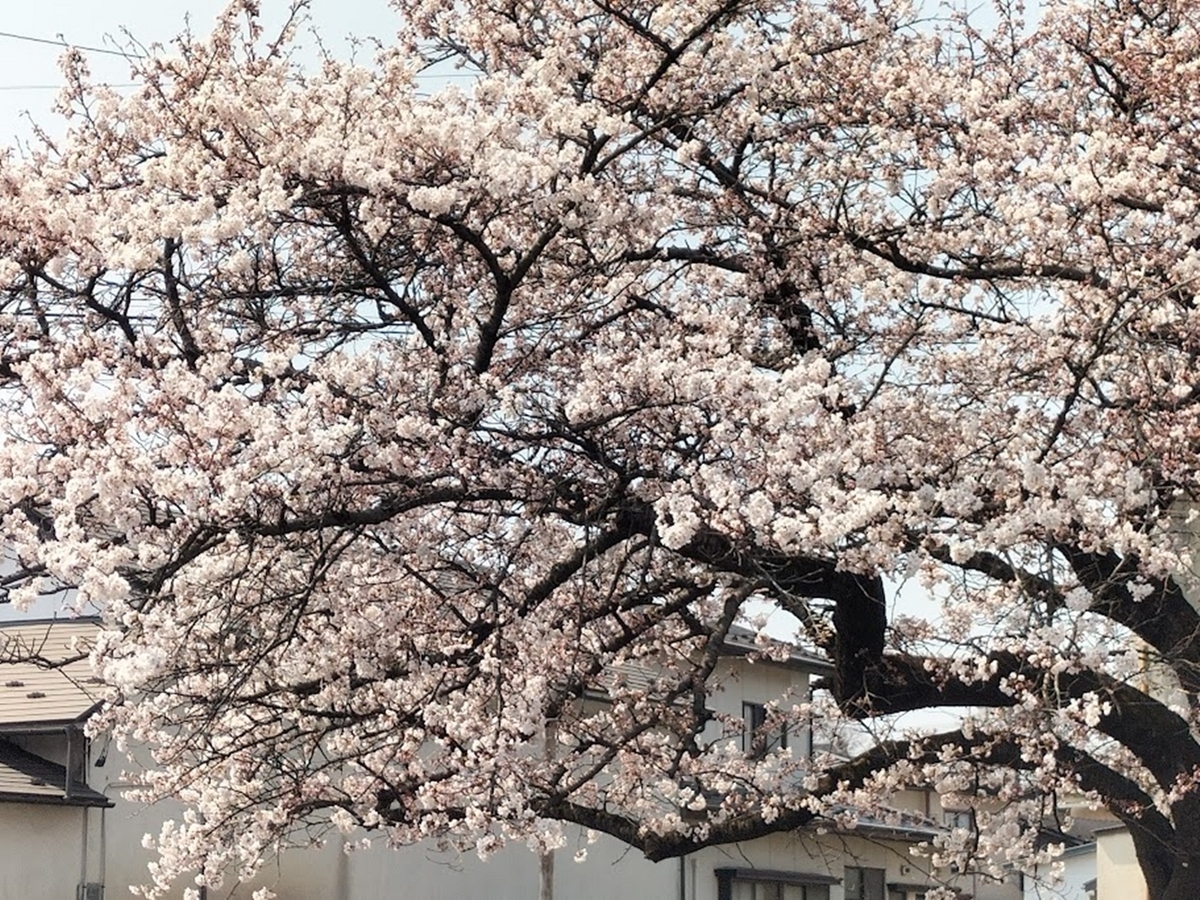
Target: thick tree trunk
(860, 621)
(1183, 883)
(1170, 871)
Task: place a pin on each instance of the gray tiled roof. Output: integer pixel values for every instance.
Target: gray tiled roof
(45, 678)
(27, 777)
(741, 640)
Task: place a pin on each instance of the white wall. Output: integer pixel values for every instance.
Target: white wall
(40, 851)
(611, 871)
(311, 874)
(1078, 866)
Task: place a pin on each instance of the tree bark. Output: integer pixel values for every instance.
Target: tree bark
(1170, 876)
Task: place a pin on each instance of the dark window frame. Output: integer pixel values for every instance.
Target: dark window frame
(727, 877)
(867, 883)
(757, 742)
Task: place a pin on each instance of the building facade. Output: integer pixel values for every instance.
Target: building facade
(71, 833)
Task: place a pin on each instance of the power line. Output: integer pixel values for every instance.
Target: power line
(124, 55)
(53, 87)
(12, 88)
(61, 43)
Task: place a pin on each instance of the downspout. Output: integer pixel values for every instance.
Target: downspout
(683, 877)
(103, 846)
(83, 855)
(68, 771)
(810, 739)
(68, 732)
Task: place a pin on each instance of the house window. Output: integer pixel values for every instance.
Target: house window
(864, 884)
(763, 884)
(957, 819)
(756, 740)
(775, 890)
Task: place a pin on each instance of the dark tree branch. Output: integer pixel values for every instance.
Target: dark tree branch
(1164, 618)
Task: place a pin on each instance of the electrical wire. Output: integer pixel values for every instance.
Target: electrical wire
(53, 87)
(130, 55)
(61, 43)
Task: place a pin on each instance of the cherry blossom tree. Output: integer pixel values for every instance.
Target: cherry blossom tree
(387, 426)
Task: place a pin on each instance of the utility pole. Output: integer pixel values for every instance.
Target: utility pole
(546, 859)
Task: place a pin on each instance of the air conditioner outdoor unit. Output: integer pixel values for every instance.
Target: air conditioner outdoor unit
(90, 891)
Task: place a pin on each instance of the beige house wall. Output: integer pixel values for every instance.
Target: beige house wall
(737, 681)
(1118, 876)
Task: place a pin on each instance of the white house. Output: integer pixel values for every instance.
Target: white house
(70, 833)
(1073, 877)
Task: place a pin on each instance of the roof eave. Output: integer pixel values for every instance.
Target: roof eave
(799, 662)
(90, 799)
(48, 726)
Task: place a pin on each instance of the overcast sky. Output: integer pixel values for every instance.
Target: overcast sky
(29, 74)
